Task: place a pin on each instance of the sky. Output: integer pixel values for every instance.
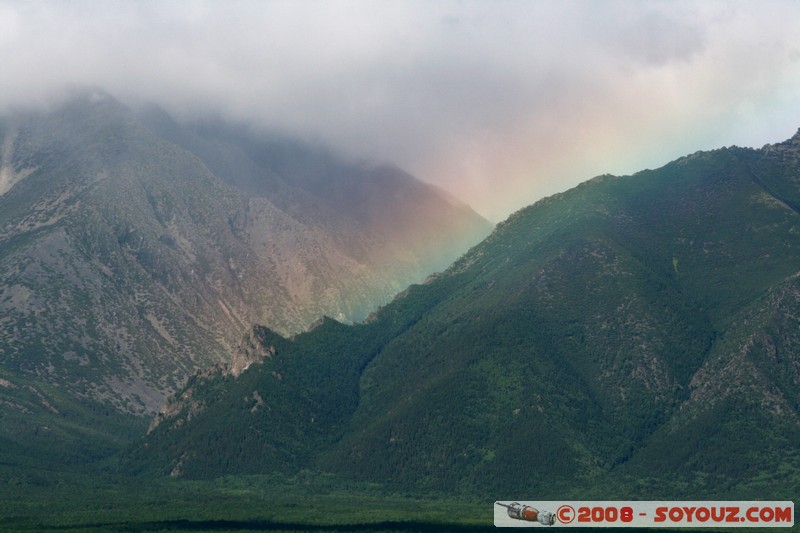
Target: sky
(498, 102)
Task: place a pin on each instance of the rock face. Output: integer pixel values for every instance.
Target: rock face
(253, 349)
(135, 250)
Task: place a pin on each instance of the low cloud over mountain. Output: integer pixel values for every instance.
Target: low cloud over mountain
(500, 103)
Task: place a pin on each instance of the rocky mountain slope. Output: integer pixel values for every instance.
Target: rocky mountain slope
(633, 337)
(135, 250)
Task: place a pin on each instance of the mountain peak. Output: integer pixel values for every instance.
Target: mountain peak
(91, 98)
(160, 208)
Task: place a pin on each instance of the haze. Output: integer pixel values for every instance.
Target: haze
(500, 103)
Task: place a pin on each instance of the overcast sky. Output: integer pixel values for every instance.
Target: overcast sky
(500, 103)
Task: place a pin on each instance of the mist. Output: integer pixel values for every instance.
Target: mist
(500, 102)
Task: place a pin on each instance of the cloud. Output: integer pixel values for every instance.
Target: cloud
(501, 102)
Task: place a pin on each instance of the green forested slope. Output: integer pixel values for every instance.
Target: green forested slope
(634, 328)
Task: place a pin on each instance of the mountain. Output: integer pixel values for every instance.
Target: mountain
(135, 250)
(634, 337)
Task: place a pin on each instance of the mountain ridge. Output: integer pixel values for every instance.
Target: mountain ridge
(575, 350)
